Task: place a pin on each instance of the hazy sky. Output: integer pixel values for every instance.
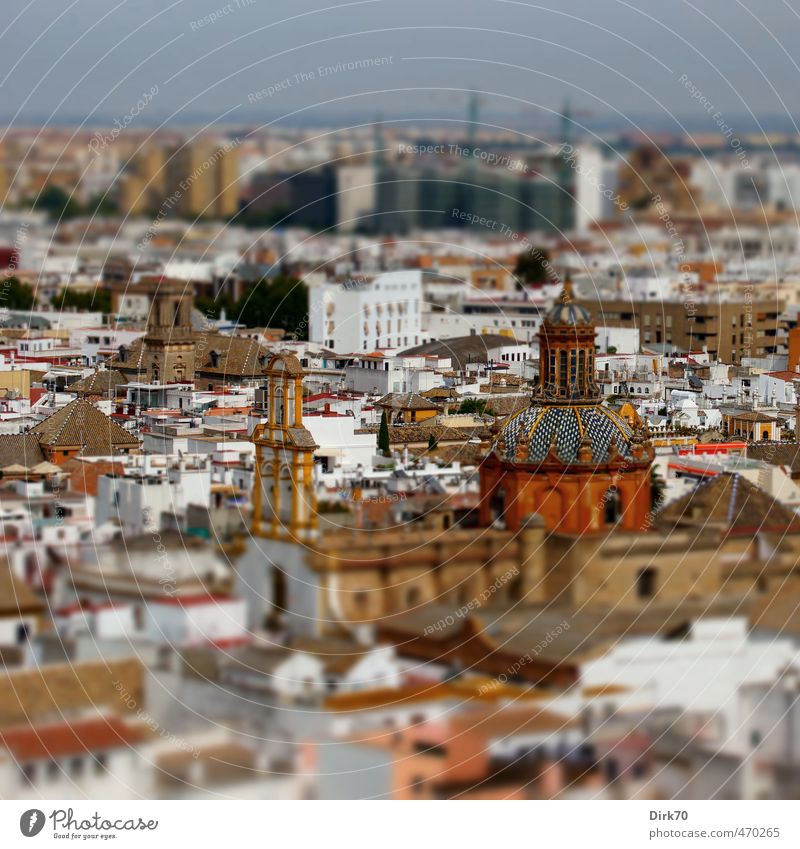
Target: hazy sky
(93, 59)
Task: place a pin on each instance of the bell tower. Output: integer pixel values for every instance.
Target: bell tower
(169, 345)
(284, 500)
(566, 353)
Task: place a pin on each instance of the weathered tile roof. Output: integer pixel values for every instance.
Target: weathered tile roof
(20, 449)
(733, 503)
(234, 356)
(81, 423)
(406, 401)
(446, 393)
(409, 433)
(101, 382)
(302, 438)
(217, 355)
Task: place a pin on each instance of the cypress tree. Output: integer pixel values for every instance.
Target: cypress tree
(383, 436)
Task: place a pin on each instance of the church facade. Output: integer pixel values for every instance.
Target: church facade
(566, 521)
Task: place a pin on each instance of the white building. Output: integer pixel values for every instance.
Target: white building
(355, 196)
(137, 499)
(340, 447)
(195, 620)
(97, 757)
(381, 373)
(367, 313)
(701, 674)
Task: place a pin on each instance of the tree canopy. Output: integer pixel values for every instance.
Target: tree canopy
(99, 299)
(57, 203)
(281, 302)
(16, 295)
(533, 266)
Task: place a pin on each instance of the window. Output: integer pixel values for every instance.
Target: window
(413, 596)
(612, 505)
(646, 582)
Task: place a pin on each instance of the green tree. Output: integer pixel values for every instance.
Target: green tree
(16, 295)
(476, 406)
(99, 299)
(102, 204)
(432, 443)
(281, 302)
(383, 436)
(57, 203)
(533, 266)
(212, 307)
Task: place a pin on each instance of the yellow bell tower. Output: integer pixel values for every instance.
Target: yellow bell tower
(284, 502)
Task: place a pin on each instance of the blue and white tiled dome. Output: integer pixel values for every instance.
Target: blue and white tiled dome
(570, 424)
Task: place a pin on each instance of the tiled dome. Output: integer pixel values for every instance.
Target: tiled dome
(570, 424)
(568, 312)
(565, 311)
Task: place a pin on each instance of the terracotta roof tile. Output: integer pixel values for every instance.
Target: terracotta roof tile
(406, 401)
(102, 382)
(68, 738)
(81, 423)
(22, 449)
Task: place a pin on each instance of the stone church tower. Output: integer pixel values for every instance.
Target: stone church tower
(167, 352)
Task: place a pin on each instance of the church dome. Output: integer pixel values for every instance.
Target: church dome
(565, 312)
(538, 426)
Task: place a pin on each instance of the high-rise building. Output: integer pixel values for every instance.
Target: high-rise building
(202, 180)
(142, 185)
(728, 329)
(227, 183)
